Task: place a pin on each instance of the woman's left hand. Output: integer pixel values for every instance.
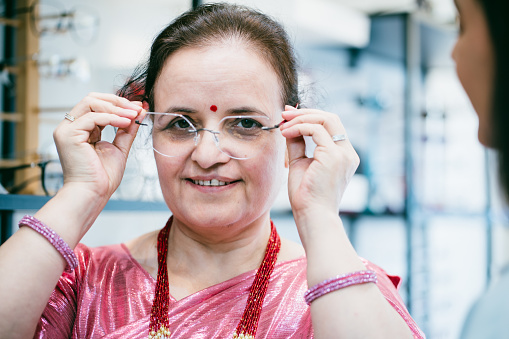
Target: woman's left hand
(316, 185)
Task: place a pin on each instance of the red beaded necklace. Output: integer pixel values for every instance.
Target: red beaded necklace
(246, 329)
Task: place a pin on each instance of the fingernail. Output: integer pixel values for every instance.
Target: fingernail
(135, 107)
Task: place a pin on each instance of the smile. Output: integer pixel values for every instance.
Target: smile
(213, 182)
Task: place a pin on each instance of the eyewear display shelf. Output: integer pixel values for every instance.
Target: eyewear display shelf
(9, 203)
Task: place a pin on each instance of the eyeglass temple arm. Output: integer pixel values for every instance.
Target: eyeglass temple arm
(275, 126)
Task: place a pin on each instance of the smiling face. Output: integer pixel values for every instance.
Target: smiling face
(474, 59)
(207, 84)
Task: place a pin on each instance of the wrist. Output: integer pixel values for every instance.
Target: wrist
(328, 249)
(71, 212)
(315, 222)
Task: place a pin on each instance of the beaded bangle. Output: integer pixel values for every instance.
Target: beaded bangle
(339, 282)
(55, 240)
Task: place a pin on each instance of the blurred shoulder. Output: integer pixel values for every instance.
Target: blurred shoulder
(491, 308)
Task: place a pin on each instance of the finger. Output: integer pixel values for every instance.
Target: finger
(317, 132)
(330, 121)
(125, 136)
(93, 120)
(296, 149)
(94, 104)
(117, 100)
(138, 103)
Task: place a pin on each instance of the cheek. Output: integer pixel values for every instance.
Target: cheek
(165, 170)
(485, 129)
(269, 169)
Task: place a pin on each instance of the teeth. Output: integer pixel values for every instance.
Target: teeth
(213, 182)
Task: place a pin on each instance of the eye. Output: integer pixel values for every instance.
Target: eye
(248, 123)
(179, 124)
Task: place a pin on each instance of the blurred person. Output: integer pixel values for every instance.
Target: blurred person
(481, 55)
(220, 87)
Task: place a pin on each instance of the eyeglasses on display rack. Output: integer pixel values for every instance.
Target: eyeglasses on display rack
(51, 17)
(240, 137)
(51, 177)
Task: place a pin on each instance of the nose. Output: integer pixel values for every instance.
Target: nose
(207, 152)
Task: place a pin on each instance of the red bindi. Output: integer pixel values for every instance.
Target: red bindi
(213, 108)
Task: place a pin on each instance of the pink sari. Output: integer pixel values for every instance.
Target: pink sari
(110, 296)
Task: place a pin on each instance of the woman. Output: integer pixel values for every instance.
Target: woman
(221, 76)
(481, 55)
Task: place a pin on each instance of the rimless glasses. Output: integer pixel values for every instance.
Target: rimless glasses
(240, 137)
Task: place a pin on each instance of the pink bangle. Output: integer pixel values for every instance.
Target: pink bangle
(339, 282)
(53, 238)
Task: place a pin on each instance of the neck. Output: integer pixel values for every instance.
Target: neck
(199, 258)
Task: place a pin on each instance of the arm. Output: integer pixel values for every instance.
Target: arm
(30, 266)
(315, 188)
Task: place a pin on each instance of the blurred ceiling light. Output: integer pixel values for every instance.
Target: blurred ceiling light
(323, 21)
(381, 6)
(443, 11)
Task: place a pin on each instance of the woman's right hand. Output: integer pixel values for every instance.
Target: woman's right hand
(93, 169)
(89, 163)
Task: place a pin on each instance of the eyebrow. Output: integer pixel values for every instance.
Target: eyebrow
(180, 109)
(244, 110)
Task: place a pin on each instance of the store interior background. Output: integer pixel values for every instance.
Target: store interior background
(424, 203)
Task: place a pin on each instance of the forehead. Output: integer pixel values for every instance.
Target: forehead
(230, 72)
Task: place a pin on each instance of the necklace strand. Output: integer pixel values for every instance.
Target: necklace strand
(246, 329)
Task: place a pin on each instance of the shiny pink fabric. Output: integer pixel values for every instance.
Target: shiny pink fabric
(110, 296)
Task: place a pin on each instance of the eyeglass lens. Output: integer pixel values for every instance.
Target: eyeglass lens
(239, 137)
(52, 177)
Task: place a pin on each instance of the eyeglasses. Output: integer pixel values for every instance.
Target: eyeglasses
(240, 137)
(51, 178)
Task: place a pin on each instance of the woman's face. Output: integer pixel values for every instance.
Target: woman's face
(474, 58)
(207, 84)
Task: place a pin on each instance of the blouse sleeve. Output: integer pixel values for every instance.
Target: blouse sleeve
(389, 285)
(57, 320)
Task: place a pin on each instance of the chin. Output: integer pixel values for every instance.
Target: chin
(485, 138)
(208, 216)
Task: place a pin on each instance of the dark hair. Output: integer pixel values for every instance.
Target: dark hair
(210, 24)
(496, 15)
